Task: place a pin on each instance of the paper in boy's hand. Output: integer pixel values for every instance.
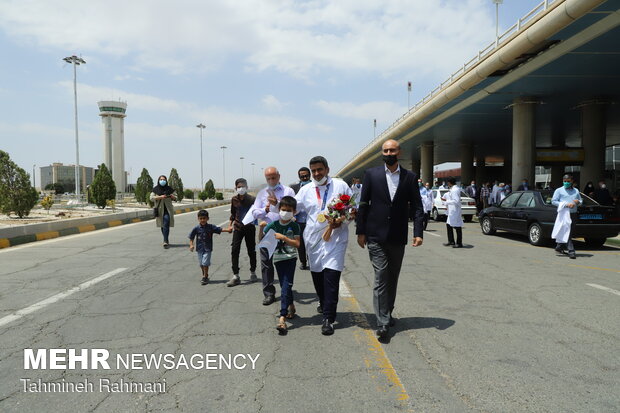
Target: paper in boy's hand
(269, 241)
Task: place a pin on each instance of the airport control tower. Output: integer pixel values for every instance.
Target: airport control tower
(112, 116)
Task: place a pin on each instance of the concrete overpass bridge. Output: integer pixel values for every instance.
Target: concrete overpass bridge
(544, 93)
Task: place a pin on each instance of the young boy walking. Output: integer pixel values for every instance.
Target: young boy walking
(203, 234)
(287, 233)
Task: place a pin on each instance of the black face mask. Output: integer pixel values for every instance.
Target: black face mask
(390, 159)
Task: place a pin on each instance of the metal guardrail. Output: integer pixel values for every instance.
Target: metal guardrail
(501, 39)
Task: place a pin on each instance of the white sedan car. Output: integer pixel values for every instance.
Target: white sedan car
(468, 206)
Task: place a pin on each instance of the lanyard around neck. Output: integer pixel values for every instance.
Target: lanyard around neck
(318, 196)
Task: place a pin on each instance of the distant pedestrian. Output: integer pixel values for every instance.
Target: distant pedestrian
(485, 193)
(356, 189)
(525, 185)
(455, 219)
(240, 204)
(427, 201)
(162, 196)
(602, 195)
(567, 199)
(203, 234)
(288, 233)
(472, 191)
(265, 210)
(304, 179)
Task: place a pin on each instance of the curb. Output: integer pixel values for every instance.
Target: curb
(80, 229)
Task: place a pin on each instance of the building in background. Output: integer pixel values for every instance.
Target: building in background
(57, 173)
(113, 119)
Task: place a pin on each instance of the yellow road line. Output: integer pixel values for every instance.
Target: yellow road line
(376, 356)
(592, 268)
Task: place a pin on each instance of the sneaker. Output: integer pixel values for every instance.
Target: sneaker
(327, 329)
(204, 281)
(253, 277)
(233, 281)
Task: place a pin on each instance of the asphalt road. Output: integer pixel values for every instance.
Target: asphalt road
(498, 326)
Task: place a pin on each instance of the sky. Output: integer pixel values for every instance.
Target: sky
(275, 81)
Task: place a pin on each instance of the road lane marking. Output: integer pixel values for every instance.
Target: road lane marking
(593, 268)
(429, 233)
(57, 297)
(376, 356)
(222, 224)
(601, 287)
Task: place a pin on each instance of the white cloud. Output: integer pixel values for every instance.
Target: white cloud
(128, 77)
(392, 38)
(272, 103)
(382, 111)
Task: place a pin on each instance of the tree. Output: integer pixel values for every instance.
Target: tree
(189, 194)
(103, 188)
(210, 189)
(175, 182)
(57, 188)
(16, 193)
(144, 186)
(203, 195)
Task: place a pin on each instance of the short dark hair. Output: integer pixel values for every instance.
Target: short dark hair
(303, 169)
(568, 176)
(288, 201)
(241, 181)
(318, 159)
(203, 213)
(451, 180)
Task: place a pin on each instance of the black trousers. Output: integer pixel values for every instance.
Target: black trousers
(247, 232)
(267, 272)
(426, 217)
(459, 234)
(303, 258)
(326, 284)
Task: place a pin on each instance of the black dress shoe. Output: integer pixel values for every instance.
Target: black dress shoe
(572, 255)
(383, 331)
(304, 267)
(559, 249)
(319, 309)
(327, 329)
(392, 321)
(268, 300)
(457, 246)
(448, 244)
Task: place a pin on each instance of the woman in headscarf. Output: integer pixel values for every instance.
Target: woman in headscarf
(589, 189)
(162, 196)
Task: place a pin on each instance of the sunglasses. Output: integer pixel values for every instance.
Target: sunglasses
(304, 177)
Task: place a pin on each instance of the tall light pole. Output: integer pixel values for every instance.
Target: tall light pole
(497, 3)
(202, 182)
(76, 61)
(254, 181)
(223, 148)
(374, 128)
(408, 95)
(34, 179)
(241, 158)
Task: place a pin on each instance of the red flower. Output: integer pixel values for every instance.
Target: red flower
(345, 198)
(339, 206)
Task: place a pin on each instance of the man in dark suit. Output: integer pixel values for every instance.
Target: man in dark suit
(473, 192)
(525, 186)
(390, 195)
(304, 178)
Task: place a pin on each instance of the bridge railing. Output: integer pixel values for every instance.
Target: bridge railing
(502, 38)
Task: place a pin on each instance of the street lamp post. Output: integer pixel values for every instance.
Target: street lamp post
(76, 61)
(202, 182)
(34, 179)
(223, 148)
(253, 180)
(241, 158)
(497, 3)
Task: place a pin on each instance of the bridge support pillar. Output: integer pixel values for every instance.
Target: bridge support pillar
(427, 158)
(523, 139)
(480, 175)
(467, 164)
(593, 136)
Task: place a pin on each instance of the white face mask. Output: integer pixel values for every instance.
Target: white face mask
(321, 182)
(242, 190)
(286, 215)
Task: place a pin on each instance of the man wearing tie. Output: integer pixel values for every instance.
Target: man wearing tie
(390, 195)
(265, 210)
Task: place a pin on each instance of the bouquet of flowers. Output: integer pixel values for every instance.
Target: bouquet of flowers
(339, 210)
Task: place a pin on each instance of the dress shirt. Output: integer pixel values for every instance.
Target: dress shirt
(261, 202)
(393, 178)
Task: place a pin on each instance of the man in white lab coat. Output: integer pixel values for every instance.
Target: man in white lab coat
(455, 220)
(326, 258)
(427, 201)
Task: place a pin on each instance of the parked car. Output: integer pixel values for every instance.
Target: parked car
(531, 213)
(468, 206)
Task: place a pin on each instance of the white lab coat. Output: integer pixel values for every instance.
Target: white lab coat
(561, 227)
(453, 206)
(323, 254)
(427, 199)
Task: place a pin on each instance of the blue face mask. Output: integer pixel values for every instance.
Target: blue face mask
(302, 183)
(163, 182)
(272, 187)
(420, 184)
(566, 184)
